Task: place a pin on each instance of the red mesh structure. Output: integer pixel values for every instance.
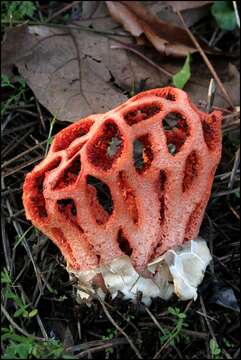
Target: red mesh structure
(135, 180)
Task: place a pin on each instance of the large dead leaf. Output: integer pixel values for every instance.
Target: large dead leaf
(89, 8)
(74, 73)
(96, 15)
(166, 11)
(168, 39)
(187, 5)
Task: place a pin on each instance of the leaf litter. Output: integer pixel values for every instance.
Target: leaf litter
(74, 72)
(87, 325)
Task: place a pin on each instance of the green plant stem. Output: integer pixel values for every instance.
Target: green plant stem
(50, 134)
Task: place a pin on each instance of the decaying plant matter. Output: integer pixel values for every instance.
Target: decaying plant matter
(119, 192)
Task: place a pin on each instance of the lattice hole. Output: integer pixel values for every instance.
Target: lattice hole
(107, 147)
(141, 112)
(69, 175)
(124, 244)
(191, 171)
(65, 137)
(128, 196)
(142, 153)
(67, 208)
(176, 131)
(101, 202)
(38, 206)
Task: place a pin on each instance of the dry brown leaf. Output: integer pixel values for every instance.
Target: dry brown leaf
(123, 15)
(21, 38)
(75, 73)
(89, 8)
(98, 18)
(168, 39)
(187, 5)
(166, 13)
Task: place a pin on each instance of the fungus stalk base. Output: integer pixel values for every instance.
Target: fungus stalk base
(179, 271)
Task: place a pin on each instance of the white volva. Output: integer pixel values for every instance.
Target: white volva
(178, 271)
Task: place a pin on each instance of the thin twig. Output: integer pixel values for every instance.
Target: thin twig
(19, 231)
(40, 114)
(22, 166)
(41, 325)
(96, 343)
(20, 156)
(17, 327)
(161, 329)
(207, 319)
(191, 333)
(73, 27)
(227, 192)
(119, 329)
(234, 212)
(63, 10)
(125, 319)
(154, 320)
(207, 62)
(21, 127)
(236, 13)
(235, 168)
(17, 141)
(6, 245)
(9, 118)
(100, 348)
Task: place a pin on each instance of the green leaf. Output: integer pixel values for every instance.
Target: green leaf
(23, 350)
(224, 15)
(5, 277)
(33, 313)
(6, 82)
(21, 312)
(27, 8)
(182, 316)
(181, 78)
(173, 311)
(215, 350)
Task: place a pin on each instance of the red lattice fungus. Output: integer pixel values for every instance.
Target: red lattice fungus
(134, 181)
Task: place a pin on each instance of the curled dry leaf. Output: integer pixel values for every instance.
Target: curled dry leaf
(168, 39)
(74, 73)
(121, 14)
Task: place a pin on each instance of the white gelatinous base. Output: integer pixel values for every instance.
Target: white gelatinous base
(178, 271)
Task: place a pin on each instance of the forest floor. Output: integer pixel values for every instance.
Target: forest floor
(40, 315)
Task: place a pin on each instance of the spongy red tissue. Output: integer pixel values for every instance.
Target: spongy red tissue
(155, 156)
